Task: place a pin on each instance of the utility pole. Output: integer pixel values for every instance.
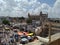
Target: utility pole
(49, 32)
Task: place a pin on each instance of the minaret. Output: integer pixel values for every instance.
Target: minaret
(28, 14)
(41, 18)
(40, 13)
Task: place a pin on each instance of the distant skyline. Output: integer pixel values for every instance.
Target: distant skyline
(18, 8)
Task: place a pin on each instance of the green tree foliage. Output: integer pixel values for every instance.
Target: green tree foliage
(21, 18)
(29, 21)
(6, 22)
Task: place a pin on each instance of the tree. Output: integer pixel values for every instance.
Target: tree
(29, 21)
(6, 22)
(21, 18)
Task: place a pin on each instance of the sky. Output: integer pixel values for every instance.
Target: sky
(49, 2)
(18, 8)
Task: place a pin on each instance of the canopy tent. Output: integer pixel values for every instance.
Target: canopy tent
(30, 34)
(25, 33)
(20, 33)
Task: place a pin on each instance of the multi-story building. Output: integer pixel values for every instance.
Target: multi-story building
(41, 17)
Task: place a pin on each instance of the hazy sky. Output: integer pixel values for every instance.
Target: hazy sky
(23, 7)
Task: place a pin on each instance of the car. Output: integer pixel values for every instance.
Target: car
(24, 41)
(30, 38)
(23, 36)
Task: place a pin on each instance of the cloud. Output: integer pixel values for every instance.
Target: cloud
(55, 10)
(23, 7)
(18, 7)
(11, 3)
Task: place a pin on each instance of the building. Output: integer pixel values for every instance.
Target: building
(41, 17)
(37, 17)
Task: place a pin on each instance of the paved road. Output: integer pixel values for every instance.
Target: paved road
(37, 42)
